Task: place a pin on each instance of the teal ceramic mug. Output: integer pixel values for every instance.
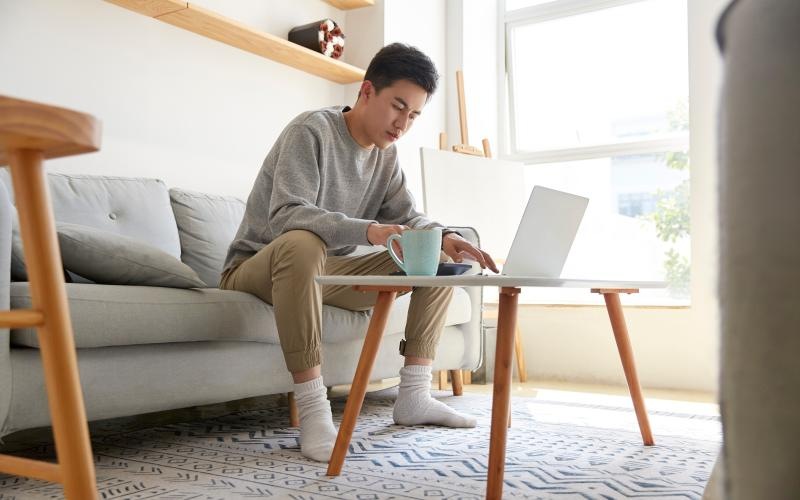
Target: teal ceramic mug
(421, 250)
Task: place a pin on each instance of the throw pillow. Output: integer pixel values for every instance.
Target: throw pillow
(113, 259)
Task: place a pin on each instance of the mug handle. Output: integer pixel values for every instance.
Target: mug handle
(393, 255)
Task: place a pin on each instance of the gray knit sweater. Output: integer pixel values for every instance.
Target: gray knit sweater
(316, 177)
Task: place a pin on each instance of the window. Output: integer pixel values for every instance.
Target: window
(597, 105)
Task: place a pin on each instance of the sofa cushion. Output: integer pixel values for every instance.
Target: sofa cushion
(113, 259)
(115, 315)
(133, 207)
(206, 225)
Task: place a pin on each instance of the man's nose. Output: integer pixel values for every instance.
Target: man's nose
(402, 123)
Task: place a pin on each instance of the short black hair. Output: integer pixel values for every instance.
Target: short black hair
(398, 61)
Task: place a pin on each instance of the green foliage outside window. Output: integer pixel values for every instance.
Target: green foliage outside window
(671, 216)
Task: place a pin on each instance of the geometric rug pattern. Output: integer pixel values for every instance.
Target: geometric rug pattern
(555, 449)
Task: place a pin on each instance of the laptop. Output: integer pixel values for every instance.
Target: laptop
(545, 233)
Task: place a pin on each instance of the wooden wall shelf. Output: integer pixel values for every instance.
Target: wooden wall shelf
(228, 31)
(351, 4)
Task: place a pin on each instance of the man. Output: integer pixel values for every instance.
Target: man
(332, 181)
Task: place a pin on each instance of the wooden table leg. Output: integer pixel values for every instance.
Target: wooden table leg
(377, 324)
(457, 381)
(57, 346)
(520, 354)
(294, 416)
(506, 328)
(615, 314)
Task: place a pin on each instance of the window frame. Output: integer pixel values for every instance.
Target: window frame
(656, 143)
(557, 9)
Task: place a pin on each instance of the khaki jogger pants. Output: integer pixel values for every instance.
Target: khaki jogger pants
(282, 274)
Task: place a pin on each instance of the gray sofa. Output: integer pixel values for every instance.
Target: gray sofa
(150, 348)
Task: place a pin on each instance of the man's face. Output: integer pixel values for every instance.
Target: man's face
(391, 112)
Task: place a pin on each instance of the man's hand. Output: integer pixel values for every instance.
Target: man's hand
(457, 248)
(377, 234)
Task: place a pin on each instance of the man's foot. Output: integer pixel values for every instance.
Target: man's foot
(317, 433)
(415, 406)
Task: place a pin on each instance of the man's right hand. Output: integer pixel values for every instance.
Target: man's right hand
(377, 234)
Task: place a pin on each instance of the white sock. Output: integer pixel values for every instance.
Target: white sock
(415, 406)
(317, 433)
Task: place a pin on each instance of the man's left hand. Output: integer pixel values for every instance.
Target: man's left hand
(457, 248)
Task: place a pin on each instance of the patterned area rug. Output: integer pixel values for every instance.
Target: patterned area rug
(556, 449)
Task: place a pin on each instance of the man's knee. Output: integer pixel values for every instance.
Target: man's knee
(300, 246)
(443, 257)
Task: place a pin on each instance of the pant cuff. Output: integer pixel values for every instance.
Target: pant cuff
(302, 360)
(417, 349)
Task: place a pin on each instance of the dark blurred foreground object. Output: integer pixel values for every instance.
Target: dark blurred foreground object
(323, 36)
(760, 249)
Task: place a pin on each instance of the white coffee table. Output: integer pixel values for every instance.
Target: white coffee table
(387, 288)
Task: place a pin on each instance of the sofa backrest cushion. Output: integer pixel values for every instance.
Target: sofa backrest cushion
(207, 224)
(138, 208)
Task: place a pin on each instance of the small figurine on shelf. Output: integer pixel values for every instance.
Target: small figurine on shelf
(324, 36)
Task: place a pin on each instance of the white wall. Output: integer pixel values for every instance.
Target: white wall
(192, 111)
(420, 23)
(472, 48)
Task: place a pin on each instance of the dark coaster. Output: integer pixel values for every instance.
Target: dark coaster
(445, 269)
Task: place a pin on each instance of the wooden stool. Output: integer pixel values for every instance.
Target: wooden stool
(30, 132)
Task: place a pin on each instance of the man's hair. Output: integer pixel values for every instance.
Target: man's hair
(398, 61)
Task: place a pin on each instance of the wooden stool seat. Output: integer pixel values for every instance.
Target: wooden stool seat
(30, 132)
(55, 132)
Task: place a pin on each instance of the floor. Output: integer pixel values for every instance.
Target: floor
(656, 399)
(598, 450)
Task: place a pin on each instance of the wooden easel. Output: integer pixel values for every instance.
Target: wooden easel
(464, 148)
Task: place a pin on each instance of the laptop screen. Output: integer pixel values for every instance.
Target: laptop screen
(545, 233)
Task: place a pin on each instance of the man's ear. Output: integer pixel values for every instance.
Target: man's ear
(367, 89)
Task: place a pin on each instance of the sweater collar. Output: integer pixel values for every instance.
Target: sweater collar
(341, 125)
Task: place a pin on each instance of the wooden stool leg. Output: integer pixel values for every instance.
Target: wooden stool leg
(506, 327)
(57, 346)
(294, 418)
(615, 314)
(380, 315)
(520, 354)
(455, 378)
(442, 380)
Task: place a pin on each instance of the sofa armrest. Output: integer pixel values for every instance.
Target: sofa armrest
(5, 293)
(473, 331)
(468, 233)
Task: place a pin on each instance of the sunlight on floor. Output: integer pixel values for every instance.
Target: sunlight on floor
(665, 400)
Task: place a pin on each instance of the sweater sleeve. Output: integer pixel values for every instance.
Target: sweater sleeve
(295, 189)
(398, 205)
